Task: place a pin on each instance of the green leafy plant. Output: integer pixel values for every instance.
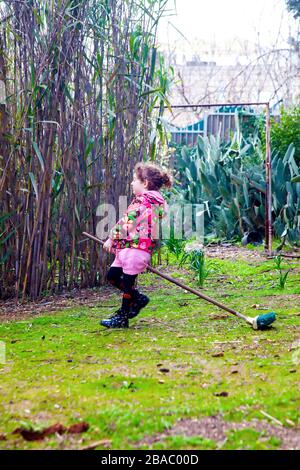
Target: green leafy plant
(282, 275)
(285, 131)
(174, 246)
(198, 264)
(184, 258)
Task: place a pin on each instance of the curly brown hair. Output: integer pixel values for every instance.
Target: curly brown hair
(155, 175)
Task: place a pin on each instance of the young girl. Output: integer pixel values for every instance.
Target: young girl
(134, 238)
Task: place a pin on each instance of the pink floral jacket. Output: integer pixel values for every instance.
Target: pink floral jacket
(138, 228)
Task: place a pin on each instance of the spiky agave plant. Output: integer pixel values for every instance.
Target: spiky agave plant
(232, 187)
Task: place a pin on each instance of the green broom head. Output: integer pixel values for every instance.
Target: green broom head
(262, 322)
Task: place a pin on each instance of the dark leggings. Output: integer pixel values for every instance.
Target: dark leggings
(124, 282)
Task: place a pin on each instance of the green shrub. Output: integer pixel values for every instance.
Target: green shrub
(286, 132)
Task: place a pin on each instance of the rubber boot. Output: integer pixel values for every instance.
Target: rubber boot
(118, 320)
(140, 302)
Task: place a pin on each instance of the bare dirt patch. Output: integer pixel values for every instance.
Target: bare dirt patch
(228, 251)
(215, 428)
(12, 310)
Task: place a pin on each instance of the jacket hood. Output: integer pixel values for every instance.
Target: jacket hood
(154, 194)
(151, 194)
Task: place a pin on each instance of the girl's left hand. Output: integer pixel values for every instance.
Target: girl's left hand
(108, 245)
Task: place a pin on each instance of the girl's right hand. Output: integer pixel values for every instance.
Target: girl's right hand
(108, 245)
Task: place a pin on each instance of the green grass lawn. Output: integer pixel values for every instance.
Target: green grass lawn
(181, 358)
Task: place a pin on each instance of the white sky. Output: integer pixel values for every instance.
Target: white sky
(221, 20)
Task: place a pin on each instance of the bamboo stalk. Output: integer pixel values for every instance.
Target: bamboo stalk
(75, 81)
(268, 216)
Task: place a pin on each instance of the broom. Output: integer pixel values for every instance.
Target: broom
(261, 322)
